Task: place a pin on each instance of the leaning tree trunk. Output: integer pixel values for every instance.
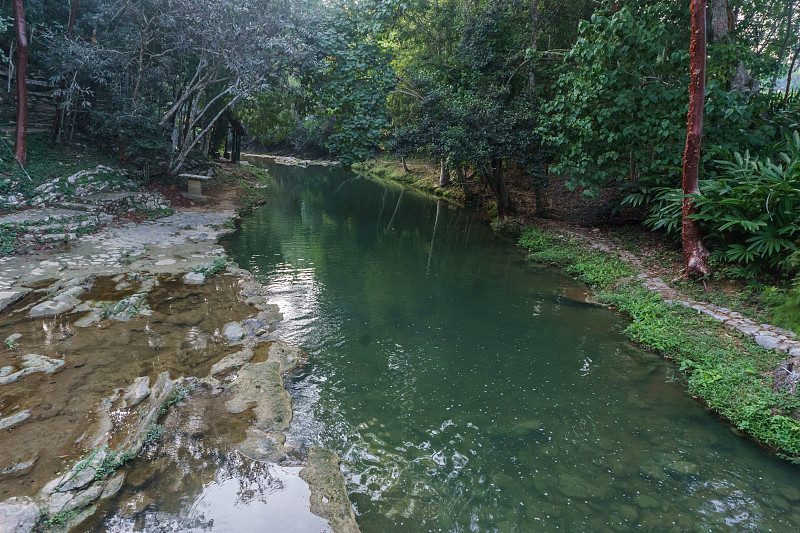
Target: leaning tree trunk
(721, 25)
(693, 249)
(21, 134)
(444, 173)
(789, 76)
(58, 120)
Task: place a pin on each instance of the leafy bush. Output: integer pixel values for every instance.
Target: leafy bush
(749, 211)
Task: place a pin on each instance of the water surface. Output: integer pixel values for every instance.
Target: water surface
(468, 391)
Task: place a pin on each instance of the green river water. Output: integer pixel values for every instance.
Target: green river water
(468, 391)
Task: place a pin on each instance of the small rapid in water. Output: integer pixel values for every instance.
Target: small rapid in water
(466, 390)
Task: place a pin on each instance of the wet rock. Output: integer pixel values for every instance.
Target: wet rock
(233, 332)
(20, 466)
(233, 360)
(328, 492)
(575, 486)
(12, 339)
(787, 376)
(289, 357)
(51, 308)
(78, 479)
(789, 492)
(194, 278)
(138, 391)
(84, 499)
(259, 386)
(14, 419)
(18, 515)
(255, 327)
(113, 486)
(8, 298)
(92, 318)
(57, 502)
(30, 363)
(69, 295)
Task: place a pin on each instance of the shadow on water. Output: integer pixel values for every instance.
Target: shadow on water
(467, 391)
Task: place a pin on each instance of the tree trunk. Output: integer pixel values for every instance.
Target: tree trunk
(534, 40)
(73, 14)
(693, 249)
(721, 26)
(405, 167)
(498, 185)
(444, 173)
(789, 76)
(21, 134)
(785, 44)
(58, 120)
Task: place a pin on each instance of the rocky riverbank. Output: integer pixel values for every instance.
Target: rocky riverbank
(135, 346)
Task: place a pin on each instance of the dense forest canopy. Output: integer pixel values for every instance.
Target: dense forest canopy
(590, 91)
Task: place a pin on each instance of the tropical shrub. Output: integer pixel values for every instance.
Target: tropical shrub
(749, 211)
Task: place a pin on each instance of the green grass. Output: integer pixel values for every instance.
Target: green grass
(725, 370)
(594, 268)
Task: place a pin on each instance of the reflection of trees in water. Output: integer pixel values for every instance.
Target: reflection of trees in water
(178, 473)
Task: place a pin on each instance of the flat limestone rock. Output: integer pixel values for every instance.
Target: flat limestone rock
(8, 298)
(14, 419)
(328, 492)
(30, 363)
(52, 308)
(259, 386)
(138, 391)
(18, 515)
(194, 278)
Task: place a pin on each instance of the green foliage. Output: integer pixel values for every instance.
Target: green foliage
(618, 112)
(9, 234)
(11, 343)
(598, 269)
(154, 434)
(619, 106)
(213, 268)
(749, 211)
(785, 306)
(133, 305)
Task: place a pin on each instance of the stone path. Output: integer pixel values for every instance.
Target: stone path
(765, 335)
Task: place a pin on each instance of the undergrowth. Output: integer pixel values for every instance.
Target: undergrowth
(725, 370)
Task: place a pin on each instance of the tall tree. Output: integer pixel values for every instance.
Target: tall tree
(21, 134)
(693, 248)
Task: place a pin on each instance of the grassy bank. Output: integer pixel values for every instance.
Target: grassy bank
(422, 175)
(726, 371)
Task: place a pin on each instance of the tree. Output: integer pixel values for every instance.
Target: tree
(21, 133)
(693, 249)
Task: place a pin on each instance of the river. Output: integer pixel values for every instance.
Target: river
(466, 390)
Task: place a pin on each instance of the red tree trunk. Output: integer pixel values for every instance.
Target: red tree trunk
(21, 135)
(693, 249)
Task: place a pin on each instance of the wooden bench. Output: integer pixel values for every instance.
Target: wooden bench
(195, 183)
